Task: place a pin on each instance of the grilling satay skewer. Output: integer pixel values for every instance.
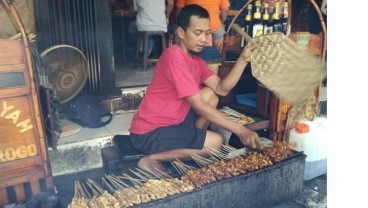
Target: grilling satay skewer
(144, 178)
(150, 191)
(78, 200)
(138, 185)
(180, 187)
(165, 186)
(160, 192)
(120, 194)
(83, 192)
(181, 166)
(217, 153)
(157, 174)
(93, 201)
(122, 200)
(229, 148)
(145, 173)
(163, 174)
(102, 197)
(201, 161)
(129, 193)
(178, 167)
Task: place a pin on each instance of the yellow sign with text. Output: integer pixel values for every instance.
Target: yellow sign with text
(10, 112)
(13, 153)
(18, 139)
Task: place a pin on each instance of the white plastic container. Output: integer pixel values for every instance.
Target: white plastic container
(311, 138)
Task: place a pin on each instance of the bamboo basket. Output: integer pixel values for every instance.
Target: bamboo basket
(290, 72)
(310, 107)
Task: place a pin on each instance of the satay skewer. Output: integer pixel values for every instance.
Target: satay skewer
(229, 148)
(145, 173)
(140, 175)
(216, 153)
(201, 161)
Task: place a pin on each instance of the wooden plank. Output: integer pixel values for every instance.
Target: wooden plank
(16, 91)
(19, 192)
(21, 179)
(3, 196)
(49, 183)
(16, 172)
(263, 96)
(35, 186)
(12, 68)
(10, 48)
(274, 103)
(282, 115)
(11, 61)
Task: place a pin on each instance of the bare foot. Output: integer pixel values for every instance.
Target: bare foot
(146, 163)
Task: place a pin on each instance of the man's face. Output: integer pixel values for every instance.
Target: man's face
(193, 39)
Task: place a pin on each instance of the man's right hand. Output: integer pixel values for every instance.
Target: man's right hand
(249, 138)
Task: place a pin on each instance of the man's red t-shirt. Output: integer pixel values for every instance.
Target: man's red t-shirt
(177, 75)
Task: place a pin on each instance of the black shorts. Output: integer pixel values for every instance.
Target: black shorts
(180, 136)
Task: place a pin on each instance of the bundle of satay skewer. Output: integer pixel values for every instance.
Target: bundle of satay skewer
(146, 187)
(236, 116)
(150, 185)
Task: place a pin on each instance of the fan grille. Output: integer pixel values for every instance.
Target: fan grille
(67, 70)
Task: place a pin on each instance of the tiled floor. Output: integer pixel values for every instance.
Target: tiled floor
(119, 125)
(130, 75)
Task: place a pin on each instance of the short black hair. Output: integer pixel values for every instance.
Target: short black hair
(190, 10)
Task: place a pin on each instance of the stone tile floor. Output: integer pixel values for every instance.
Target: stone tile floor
(314, 195)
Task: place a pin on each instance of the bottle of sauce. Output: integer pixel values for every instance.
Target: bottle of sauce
(276, 23)
(266, 21)
(257, 22)
(284, 18)
(247, 26)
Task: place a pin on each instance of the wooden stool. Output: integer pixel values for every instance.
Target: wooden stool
(146, 35)
(121, 156)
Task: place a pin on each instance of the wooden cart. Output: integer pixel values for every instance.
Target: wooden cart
(24, 164)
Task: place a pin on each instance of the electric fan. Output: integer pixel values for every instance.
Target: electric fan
(67, 71)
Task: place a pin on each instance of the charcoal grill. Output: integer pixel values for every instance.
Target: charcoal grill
(263, 188)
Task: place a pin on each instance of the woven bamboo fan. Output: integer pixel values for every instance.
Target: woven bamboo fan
(284, 68)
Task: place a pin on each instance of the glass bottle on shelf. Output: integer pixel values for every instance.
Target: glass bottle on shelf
(267, 24)
(284, 18)
(257, 22)
(277, 26)
(247, 26)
